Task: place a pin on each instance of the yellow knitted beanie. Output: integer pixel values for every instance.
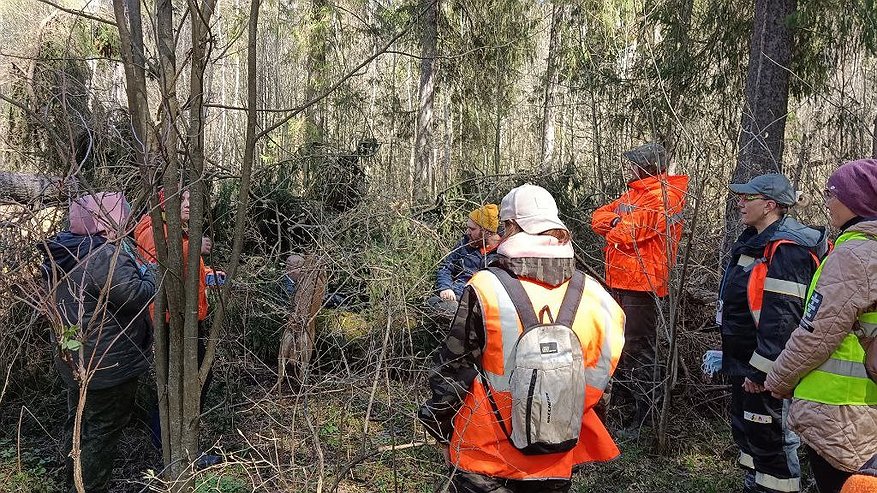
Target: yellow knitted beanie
(487, 217)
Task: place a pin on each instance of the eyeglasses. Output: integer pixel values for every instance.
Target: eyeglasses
(749, 197)
(827, 193)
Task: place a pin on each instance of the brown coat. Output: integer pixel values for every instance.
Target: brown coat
(843, 435)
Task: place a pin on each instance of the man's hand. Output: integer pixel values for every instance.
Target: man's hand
(206, 245)
(448, 295)
(752, 387)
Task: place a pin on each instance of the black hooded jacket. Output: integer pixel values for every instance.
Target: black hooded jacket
(110, 309)
(750, 350)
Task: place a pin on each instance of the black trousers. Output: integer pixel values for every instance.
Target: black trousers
(828, 479)
(638, 376)
(105, 414)
(767, 446)
(467, 482)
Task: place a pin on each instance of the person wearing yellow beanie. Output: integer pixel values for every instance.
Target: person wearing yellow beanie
(472, 253)
(486, 217)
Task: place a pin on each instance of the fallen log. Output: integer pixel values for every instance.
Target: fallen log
(23, 188)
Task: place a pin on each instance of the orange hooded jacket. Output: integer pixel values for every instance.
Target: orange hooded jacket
(146, 248)
(637, 226)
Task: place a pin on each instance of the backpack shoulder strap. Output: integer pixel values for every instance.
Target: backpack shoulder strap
(519, 297)
(574, 291)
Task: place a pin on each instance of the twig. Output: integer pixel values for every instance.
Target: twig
(78, 13)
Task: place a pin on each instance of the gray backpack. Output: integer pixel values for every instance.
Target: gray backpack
(547, 380)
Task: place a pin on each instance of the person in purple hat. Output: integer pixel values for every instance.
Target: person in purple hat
(829, 363)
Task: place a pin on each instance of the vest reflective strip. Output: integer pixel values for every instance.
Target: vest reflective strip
(842, 379)
(598, 375)
(778, 484)
(790, 288)
(508, 322)
(745, 261)
(844, 368)
(761, 363)
(746, 460)
(756, 315)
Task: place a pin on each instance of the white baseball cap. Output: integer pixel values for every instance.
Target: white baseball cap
(533, 208)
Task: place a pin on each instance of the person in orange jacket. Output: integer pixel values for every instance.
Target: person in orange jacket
(642, 230)
(146, 247)
(512, 332)
(145, 241)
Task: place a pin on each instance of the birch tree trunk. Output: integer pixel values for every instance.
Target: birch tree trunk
(423, 146)
(547, 141)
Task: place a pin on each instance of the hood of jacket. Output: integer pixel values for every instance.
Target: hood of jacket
(538, 257)
(787, 228)
(66, 250)
(808, 236)
(676, 185)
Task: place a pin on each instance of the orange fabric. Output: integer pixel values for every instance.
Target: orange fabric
(146, 248)
(478, 443)
(755, 286)
(859, 483)
(636, 247)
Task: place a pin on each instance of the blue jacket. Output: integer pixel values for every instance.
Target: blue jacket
(456, 269)
(743, 341)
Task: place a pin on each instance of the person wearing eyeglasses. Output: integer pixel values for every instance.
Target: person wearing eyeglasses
(830, 355)
(761, 299)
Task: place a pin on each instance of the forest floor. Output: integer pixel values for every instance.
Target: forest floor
(270, 443)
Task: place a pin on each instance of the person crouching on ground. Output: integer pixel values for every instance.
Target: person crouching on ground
(761, 299)
(491, 432)
(472, 253)
(834, 409)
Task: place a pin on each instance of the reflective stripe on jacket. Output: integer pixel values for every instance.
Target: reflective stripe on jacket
(478, 443)
(643, 227)
(759, 282)
(841, 379)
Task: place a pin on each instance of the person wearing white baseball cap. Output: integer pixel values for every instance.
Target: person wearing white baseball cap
(489, 443)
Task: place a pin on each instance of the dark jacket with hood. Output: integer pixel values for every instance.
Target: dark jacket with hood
(109, 307)
(750, 350)
(459, 266)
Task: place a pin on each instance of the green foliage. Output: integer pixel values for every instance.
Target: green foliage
(31, 475)
(222, 483)
(67, 339)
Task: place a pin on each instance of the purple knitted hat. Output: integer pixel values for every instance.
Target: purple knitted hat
(855, 185)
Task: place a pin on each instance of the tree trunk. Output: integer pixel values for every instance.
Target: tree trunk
(423, 165)
(763, 122)
(26, 188)
(874, 139)
(547, 142)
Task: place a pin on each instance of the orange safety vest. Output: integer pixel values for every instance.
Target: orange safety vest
(759, 282)
(478, 443)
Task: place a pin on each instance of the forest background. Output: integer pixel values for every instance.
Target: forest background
(362, 132)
